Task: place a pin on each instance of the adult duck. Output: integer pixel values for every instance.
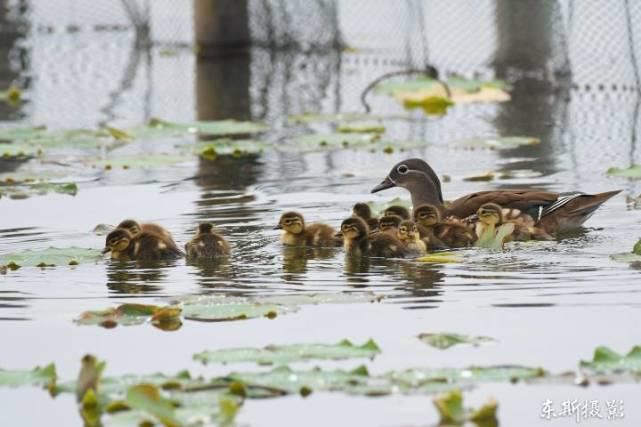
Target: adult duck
(551, 211)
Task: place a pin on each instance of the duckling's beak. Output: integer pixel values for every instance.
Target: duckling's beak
(105, 250)
(278, 227)
(384, 185)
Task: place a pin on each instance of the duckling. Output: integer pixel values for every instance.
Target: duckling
(389, 224)
(439, 234)
(491, 230)
(134, 227)
(296, 233)
(362, 210)
(145, 246)
(408, 234)
(207, 244)
(397, 210)
(525, 227)
(358, 241)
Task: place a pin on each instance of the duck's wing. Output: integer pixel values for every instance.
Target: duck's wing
(528, 201)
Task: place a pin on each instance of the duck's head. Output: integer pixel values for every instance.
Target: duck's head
(490, 214)
(427, 215)
(362, 210)
(407, 231)
(416, 176)
(117, 241)
(291, 222)
(354, 228)
(389, 222)
(398, 211)
(130, 225)
(205, 228)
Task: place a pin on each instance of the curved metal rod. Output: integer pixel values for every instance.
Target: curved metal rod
(429, 71)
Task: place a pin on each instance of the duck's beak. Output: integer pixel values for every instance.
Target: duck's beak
(387, 183)
(278, 227)
(105, 250)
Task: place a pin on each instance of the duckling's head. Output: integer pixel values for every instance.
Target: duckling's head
(407, 230)
(354, 228)
(130, 225)
(389, 222)
(427, 215)
(291, 222)
(117, 241)
(398, 211)
(490, 214)
(362, 210)
(205, 228)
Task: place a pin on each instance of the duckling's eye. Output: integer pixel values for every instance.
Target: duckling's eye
(402, 169)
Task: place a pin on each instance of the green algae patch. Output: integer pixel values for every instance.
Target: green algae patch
(285, 354)
(443, 341)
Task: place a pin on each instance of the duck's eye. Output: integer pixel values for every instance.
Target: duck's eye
(402, 169)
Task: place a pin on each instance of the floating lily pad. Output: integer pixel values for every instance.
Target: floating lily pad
(52, 257)
(361, 127)
(283, 354)
(455, 83)
(633, 172)
(23, 189)
(451, 410)
(218, 311)
(166, 318)
(43, 138)
(431, 105)
(163, 128)
(628, 258)
(45, 376)
(498, 143)
(17, 151)
(305, 298)
(334, 140)
(636, 249)
(230, 147)
(444, 341)
(607, 361)
(328, 117)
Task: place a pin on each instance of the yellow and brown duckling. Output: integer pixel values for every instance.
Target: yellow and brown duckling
(297, 233)
(363, 211)
(135, 228)
(207, 244)
(439, 234)
(358, 241)
(389, 224)
(408, 235)
(397, 210)
(145, 246)
(491, 230)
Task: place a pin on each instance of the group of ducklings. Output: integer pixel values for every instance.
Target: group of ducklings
(395, 234)
(398, 234)
(151, 242)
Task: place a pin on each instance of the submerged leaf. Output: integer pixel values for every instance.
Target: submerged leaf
(444, 341)
(285, 354)
(38, 376)
(147, 398)
(632, 172)
(451, 410)
(607, 361)
(52, 257)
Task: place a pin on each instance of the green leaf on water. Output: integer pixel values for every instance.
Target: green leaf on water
(17, 151)
(25, 189)
(304, 298)
(119, 134)
(328, 117)
(147, 398)
(316, 141)
(284, 354)
(448, 257)
(497, 143)
(607, 361)
(444, 341)
(431, 105)
(229, 147)
(45, 376)
(637, 248)
(143, 161)
(52, 257)
(13, 95)
(484, 177)
(420, 84)
(221, 310)
(632, 172)
(163, 128)
(166, 318)
(628, 258)
(361, 127)
(451, 410)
